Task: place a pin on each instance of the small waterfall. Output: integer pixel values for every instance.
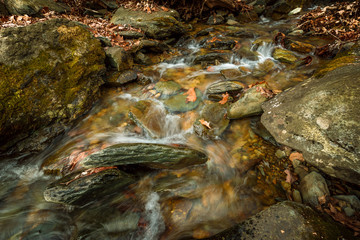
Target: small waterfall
(153, 214)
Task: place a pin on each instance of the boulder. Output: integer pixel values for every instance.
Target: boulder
(233, 87)
(320, 118)
(50, 73)
(122, 78)
(31, 7)
(151, 155)
(249, 104)
(158, 25)
(79, 189)
(286, 220)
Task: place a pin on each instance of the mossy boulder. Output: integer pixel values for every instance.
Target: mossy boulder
(158, 25)
(31, 7)
(50, 73)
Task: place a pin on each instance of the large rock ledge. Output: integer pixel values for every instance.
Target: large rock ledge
(320, 118)
(50, 72)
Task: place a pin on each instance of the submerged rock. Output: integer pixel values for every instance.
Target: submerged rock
(79, 188)
(167, 88)
(51, 72)
(211, 58)
(150, 117)
(215, 115)
(320, 119)
(158, 24)
(286, 220)
(150, 155)
(178, 103)
(249, 104)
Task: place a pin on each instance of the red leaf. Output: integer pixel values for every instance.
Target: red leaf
(191, 95)
(225, 98)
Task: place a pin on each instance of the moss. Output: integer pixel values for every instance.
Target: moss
(336, 63)
(39, 90)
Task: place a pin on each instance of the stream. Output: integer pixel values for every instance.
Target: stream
(196, 201)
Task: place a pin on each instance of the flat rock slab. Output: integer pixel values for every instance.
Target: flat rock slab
(151, 155)
(158, 25)
(286, 220)
(178, 103)
(320, 118)
(79, 189)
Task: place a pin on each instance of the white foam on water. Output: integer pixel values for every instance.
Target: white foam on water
(154, 217)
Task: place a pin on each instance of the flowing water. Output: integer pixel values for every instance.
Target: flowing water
(197, 201)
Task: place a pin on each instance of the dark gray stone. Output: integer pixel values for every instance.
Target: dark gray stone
(151, 155)
(313, 186)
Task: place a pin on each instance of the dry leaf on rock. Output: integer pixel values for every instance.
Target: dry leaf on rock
(191, 95)
(205, 123)
(224, 99)
(296, 155)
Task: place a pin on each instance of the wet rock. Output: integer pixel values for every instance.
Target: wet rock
(210, 58)
(51, 72)
(215, 115)
(22, 7)
(243, 33)
(297, 196)
(124, 77)
(204, 32)
(86, 189)
(284, 56)
(300, 47)
(286, 220)
(157, 25)
(141, 58)
(151, 155)
(249, 104)
(281, 8)
(221, 44)
(313, 186)
(233, 87)
(118, 58)
(264, 68)
(148, 116)
(232, 74)
(178, 103)
(215, 20)
(320, 119)
(167, 88)
(245, 52)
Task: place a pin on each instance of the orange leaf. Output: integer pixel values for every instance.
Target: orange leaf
(296, 155)
(164, 9)
(225, 98)
(210, 69)
(205, 123)
(191, 95)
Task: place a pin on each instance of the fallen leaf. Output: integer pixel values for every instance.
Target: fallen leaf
(164, 9)
(296, 155)
(224, 99)
(205, 123)
(210, 69)
(289, 176)
(191, 95)
(322, 199)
